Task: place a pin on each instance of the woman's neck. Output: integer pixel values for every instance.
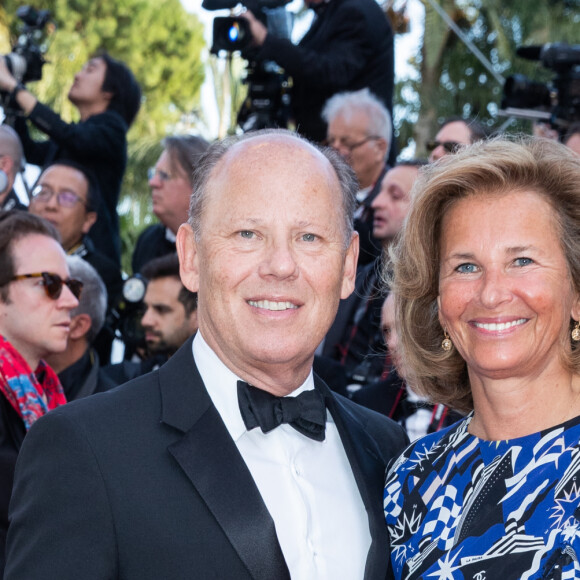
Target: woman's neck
(515, 407)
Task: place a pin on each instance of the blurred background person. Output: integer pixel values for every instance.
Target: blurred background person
(394, 397)
(11, 164)
(169, 318)
(348, 47)
(454, 133)
(67, 196)
(171, 183)
(107, 97)
(487, 284)
(355, 339)
(78, 366)
(36, 299)
(360, 129)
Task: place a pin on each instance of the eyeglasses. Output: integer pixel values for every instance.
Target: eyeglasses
(350, 147)
(449, 146)
(64, 198)
(53, 284)
(163, 175)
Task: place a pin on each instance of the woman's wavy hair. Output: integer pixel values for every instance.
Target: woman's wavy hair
(495, 167)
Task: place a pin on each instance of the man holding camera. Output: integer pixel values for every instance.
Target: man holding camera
(108, 98)
(348, 47)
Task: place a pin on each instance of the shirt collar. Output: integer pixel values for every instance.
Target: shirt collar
(222, 385)
(170, 236)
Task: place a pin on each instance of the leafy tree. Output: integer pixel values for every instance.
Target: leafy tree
(162, 44)
(452, 81)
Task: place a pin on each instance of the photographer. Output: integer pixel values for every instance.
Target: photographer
(107, 97)
(348, 47)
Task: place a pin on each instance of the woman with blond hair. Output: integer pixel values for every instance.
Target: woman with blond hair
(487, 278)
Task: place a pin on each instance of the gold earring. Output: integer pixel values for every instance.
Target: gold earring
(576, 332)
(447, 345)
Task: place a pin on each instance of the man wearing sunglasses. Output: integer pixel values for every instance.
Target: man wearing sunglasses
(171, 184)
(66, 195)
(454, 133)
(36, 299)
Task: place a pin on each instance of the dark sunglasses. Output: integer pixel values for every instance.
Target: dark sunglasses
(449, 146)
(53, 284)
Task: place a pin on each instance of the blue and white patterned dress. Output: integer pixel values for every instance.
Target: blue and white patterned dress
(459, 507)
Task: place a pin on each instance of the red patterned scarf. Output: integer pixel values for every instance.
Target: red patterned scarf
(32, 394)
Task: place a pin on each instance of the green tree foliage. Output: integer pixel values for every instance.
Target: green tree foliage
(453, 81)
(161, 43)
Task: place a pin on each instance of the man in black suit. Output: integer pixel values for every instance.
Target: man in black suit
(185, 472)
(348, 47)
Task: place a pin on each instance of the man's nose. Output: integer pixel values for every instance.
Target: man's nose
(280, 260)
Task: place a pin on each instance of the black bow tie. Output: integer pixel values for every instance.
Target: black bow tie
(306, 413)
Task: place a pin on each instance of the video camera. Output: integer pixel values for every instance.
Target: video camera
(268, 101)
(557, 103)
(26, 60)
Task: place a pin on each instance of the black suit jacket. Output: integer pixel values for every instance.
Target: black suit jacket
(145, 482)
(349, 47)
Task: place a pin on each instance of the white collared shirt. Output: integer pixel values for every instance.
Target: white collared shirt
(308, 486)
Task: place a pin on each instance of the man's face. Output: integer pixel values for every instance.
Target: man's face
(170, 192)
(355, 141)
(71, 222)
(455, 132)
(270, 264)
(35, 324)
(392, 203)
(165, 322)
(87, 87)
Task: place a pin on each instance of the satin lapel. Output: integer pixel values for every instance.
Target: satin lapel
(369, 473)
(212, 462)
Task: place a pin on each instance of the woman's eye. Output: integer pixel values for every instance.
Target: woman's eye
(248, 235)
(309, 237)
(523, 261)
(466, 268)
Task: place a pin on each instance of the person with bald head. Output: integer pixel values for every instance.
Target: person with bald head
(11, 163)
(233, 460)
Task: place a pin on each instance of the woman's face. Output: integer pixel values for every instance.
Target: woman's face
(505, 295)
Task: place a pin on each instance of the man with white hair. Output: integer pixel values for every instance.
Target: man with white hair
(78, 367)
(11, 163)
(360, 128)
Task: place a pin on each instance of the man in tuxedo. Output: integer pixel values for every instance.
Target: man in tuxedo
(232, 460)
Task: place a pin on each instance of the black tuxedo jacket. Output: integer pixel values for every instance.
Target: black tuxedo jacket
(144, 482)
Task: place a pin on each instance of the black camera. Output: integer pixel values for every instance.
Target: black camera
(558, 102)
(268, 101)
(27, 57)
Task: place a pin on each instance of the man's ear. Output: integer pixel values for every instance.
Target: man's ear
(350, 263)
(187, 251)
(90, 219)
(79, 326)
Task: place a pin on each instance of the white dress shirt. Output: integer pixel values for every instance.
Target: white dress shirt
(308, 486)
